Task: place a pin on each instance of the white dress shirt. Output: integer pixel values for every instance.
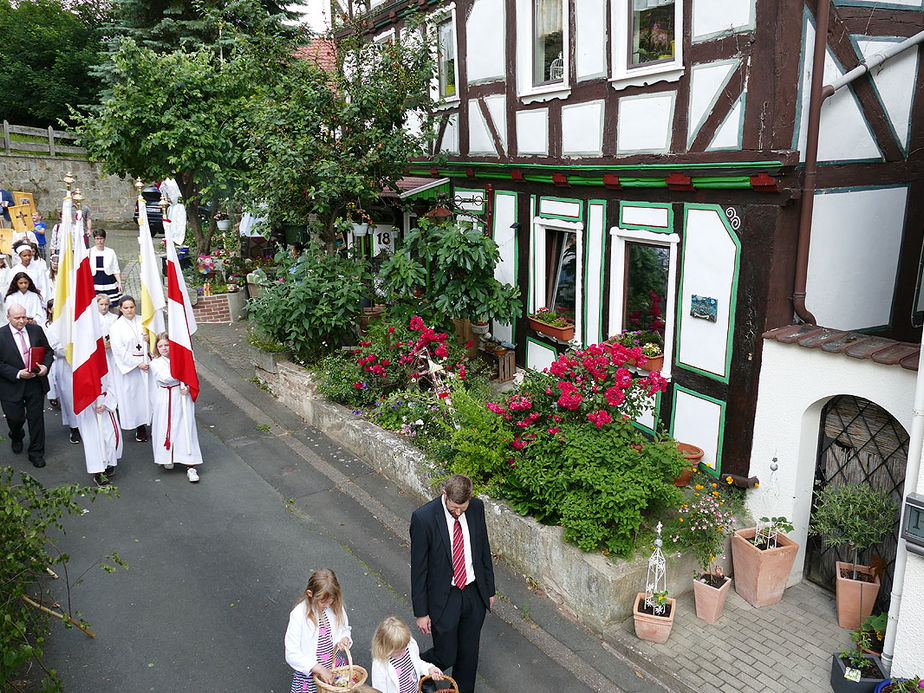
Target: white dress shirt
(466, 539)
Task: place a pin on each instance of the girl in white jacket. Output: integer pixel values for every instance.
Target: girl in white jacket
(317, 626)
(396, 663)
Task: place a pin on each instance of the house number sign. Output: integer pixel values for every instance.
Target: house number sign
(913, 523)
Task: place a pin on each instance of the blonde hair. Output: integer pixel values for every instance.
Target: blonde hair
(391, 635)
(322, 585)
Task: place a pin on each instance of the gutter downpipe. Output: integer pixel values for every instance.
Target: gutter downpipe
(818, 94)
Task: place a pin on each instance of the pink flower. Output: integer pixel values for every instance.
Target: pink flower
(358, 386)
(599, 417)
(391, 330)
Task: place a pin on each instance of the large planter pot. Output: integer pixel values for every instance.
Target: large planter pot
(223, 224)
(653, 363)
(760, 576)
(480, 327)
(710, 600)
(370, 315)
(564, 334)
(692, 454)
(855, 598)
(839, 684)
(653, 628)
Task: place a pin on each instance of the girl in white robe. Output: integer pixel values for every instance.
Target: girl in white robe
(102, 438)
(129, 342)
(24, 292)
(173, 428)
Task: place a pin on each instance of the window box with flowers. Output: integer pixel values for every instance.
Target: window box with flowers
(651, 351)
(553, 324)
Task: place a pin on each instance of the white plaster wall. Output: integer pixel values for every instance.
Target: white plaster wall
(505, 213)
(698, 421)
(795, 383)
(533, 131)
(562, 208)
(645, 216)
(712, 17)
(894, 83)
(593, 328)
(706, 82)
(728, 134)
(644, 123)
(909, 638)
(708, 270)
(450, 141)
(485, 56)
(590, 38)
(538, 356)
(853, 256)
(479, 137)
(582, 129)
(843, 132)
(497, 109)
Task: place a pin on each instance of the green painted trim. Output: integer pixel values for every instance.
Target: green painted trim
(656, 411)
(720, 443)
(654, 205)
(877, 4)
(543, 345)
(744, 110)
(722, 182)
(732, 298)
(532, 254)
(516, 249)
(602, 263)
(563, 217)
(694, 166)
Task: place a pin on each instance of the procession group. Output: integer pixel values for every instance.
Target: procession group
(106, 372)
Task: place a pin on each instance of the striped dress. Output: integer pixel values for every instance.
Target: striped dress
(305, 684)
(407, 674)
(105, 265)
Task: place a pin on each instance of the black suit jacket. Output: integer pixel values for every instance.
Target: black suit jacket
(11, 387)
(431, 557)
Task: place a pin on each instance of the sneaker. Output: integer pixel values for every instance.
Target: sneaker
(101, 479)
(141, 435)
(192, 475)
(169, 465)
(75, 436)
(110, 471)
(55, 404)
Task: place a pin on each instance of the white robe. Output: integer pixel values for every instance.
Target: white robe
(99, 433)
(39, 277)
(31, 301)
(63, 375)
(174, 413)
(131, 383)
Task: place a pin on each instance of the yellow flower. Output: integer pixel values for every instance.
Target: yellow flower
(715, 485)
(679, 519)
(699, 487)
(756, 485)
(728, 480)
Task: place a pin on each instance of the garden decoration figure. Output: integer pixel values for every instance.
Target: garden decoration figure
(656, 581)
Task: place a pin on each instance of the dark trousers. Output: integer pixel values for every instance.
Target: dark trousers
(30, 408)
(457, 635)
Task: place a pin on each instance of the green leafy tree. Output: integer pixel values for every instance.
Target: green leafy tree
(327, 143)
(46, 53)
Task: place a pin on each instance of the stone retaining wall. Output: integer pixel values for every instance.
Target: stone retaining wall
(111, 199)
(599, 592)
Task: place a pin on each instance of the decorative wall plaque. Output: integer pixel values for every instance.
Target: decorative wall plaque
(704, 308)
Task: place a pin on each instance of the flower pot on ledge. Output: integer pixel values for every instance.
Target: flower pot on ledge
(692, 454)
(651, 627)
(653, 363)
(564, 334)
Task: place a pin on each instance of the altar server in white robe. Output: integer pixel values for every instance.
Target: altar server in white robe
(173, 429)
(62, 389)
(38, 272)
(102, 438)
(129, 341)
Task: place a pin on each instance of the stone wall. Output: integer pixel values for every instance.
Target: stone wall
(111, 199)
(219, 307)
(598, 591)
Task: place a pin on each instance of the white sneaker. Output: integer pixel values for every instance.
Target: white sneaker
(169, 465)
(192, 475)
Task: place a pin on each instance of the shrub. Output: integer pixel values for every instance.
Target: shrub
(701, 525)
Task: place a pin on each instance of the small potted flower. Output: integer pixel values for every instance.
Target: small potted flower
(913, 684)
(552, 323)
(653, 616)
(763, 557)
(855, 672)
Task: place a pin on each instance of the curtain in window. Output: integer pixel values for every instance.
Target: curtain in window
(642, 5)
(548, 17)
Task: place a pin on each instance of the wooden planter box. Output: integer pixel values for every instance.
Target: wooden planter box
(760, 576)
(564, 334)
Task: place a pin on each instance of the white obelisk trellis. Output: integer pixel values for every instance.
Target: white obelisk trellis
(657, 576)
(766, 533)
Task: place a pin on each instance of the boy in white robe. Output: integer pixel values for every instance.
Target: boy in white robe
(101, 435)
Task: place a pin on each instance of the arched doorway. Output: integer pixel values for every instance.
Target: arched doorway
(859, 442)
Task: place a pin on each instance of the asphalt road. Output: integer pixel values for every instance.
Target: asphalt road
(215, 567)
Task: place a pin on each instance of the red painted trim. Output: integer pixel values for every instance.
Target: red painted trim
(679, 181)
(560, 179)
(764, 183)
(611, 181)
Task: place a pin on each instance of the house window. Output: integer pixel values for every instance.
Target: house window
(548, 42)
(447, 59)
(561, 270)
(556, 249)
(651, 31)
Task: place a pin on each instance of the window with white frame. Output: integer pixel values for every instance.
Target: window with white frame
(642, 276)
(548, 42)
(646, 41)
(557, 249)
(446, 42)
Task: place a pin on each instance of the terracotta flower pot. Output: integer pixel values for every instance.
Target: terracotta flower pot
(710, 600)
(653, 363)
(760, 576)
(692, 454)
(855, 598)
(650, 627)
(565, 334)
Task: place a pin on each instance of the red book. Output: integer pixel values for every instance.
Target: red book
(36, 356)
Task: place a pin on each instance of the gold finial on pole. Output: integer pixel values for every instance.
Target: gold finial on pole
(139, 186)
(163, 204)
(69, 180)
(77, 197)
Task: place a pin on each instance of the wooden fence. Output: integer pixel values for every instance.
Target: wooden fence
(49, 147)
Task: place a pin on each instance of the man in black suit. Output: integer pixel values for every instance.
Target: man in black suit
(22, 391)
(452, 578)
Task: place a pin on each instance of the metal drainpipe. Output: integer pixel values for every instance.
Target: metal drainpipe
(816, 98)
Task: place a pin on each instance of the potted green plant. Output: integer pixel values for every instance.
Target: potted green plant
(858, 516)
(913, 684)
(692, 454)
(855, 672)
(870, 635)
(552, 323)
(700, 527)
(653, 616)
(763, 557)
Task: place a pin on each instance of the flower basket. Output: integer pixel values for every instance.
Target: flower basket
(761, 575)
(350, 676)
(564, 334)
(651, 627)
(428, 683)
(480, 327)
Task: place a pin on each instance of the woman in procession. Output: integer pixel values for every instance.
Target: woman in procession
(173, 428)
(107, 276)
(130, 356)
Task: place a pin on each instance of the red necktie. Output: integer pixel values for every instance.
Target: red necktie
(458, 556)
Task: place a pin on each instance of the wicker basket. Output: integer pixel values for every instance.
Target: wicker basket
(351, 671)
(449, 679)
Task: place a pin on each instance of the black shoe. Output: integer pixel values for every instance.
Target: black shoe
(101, 479)
(37, 461)
(110, 471)
(75, 436)
(17, 446)
(141, 435)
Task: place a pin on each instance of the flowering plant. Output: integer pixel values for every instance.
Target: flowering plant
(701, 525)
(550, 317)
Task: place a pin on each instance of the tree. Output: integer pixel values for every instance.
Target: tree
(46, 53)
(325, 144)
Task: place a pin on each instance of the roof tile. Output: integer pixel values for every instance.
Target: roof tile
(857, 345)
